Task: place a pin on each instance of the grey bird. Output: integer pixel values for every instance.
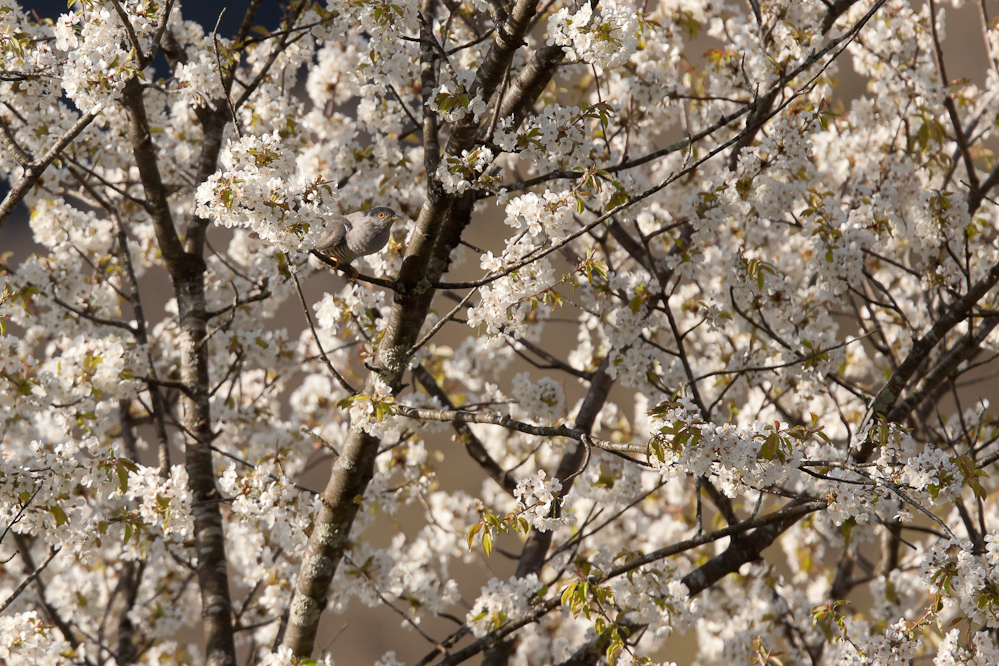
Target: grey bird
(355, 235)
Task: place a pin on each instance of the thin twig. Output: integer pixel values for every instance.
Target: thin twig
(440, 324)
(29, 579)
(315, 336)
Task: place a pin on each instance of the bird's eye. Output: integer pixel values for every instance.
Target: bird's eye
(381, 214)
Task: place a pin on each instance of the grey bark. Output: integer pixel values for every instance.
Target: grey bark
(187, 272)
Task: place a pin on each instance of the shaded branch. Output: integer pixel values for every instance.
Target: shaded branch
(315, 336)
(920, 351)
(476, 449)
(29, 579)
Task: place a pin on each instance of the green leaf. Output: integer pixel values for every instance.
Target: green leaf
(612, 651)
(122, 478)
(487, 543)
(345, 403)
(382, 409)
(569, 591)
(472, 532)
(769, 448)
(60, 515)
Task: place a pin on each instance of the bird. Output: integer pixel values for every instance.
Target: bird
(355, 235)
(358, 234)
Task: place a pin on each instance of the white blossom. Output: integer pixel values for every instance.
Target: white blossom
(605, 38)
(542, 504)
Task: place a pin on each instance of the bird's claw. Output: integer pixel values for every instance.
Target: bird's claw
(348, 269)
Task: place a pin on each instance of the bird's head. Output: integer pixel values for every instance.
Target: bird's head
(382, 217)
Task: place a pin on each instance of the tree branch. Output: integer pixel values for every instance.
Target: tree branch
(34, 170)
(476, 449)
(782, 519)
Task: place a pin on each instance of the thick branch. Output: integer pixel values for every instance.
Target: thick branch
(187, 268)
(535, 552)
(152, 182)
(428, 82)
(947, 368)
(743, 549)
(509, 37)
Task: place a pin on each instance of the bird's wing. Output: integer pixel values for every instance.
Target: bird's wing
(337, 234)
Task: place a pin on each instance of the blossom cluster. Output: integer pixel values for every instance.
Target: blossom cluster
(100, 56)
(983, 650)
(604, 38)
(542, 503)
(500, 602)
(961, 582)
(460, 174)
(736, 458)
(259, 188)
(26, 639)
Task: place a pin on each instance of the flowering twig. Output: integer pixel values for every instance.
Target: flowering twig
(440, 324)
(460, 416)
(672, 178)
(33, 171)
(782, 518)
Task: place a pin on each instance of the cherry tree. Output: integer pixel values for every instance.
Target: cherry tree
(720, 365)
